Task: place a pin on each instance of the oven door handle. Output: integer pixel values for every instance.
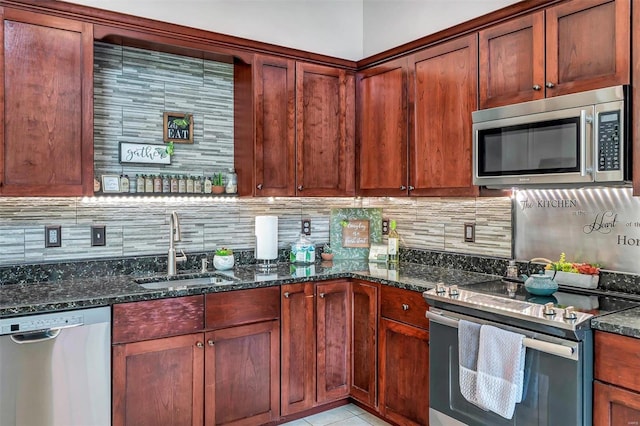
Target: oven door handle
(535, 344)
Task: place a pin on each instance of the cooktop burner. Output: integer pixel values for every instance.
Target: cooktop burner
(510, 302)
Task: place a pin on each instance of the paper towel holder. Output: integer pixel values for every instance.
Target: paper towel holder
(266, 253)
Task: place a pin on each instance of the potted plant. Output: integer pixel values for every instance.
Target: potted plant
(585, 275)
(217, 184)
(327, 253)
(223, 259)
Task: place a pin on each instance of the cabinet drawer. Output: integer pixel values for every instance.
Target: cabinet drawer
(151, 319)
(617, 360)
(403, 305)
(231, 308)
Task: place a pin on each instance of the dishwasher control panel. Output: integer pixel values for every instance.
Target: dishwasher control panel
(40, 322)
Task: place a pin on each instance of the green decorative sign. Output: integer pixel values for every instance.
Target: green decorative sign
(345, 222)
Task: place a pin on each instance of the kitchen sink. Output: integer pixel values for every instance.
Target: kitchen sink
(179, 283)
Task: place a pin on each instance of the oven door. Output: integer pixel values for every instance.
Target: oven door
(557, 384)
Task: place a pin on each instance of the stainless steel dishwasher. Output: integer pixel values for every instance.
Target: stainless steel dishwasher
(55, 369)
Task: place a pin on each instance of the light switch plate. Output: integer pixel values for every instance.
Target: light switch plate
(98, 235)
(52, 236)
(469, 232)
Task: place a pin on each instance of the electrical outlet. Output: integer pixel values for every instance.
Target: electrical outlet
(385, 226)
(469, 232)
(98, 235)
(306, 226)
(52, 236)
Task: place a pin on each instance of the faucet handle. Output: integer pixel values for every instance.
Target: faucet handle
(181, 257)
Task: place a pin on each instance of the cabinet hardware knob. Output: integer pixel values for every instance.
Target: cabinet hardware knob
(199, 345)
(550, 85)
(403, 188)
(210, 342)
(411, 188)
(259, 186)
(536, 87)
(405, 307)
(286, 294)
(300, 187)
(321, 295)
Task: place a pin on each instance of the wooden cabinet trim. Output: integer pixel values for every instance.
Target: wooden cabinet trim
(232, 308)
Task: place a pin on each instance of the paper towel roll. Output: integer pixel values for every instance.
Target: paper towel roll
(266, 237)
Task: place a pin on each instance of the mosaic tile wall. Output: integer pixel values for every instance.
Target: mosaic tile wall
(140, 226)
(133, 88)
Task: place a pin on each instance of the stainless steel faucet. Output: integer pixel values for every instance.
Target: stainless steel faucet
(174, 236)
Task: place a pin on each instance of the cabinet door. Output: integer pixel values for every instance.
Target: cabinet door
(382, 130)
(298, 348)
(404, 373)
(333, 328)
(364, 342)
(159, 382)
(275, 133)
(587, 45)
(512, 61)
(242, 375)
(47, 92)
(444, 92)
(614, 406)
(325, 138)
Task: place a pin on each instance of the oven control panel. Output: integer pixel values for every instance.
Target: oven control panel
(40, 322)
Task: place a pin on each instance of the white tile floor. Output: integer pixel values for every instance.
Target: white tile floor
(347, 415)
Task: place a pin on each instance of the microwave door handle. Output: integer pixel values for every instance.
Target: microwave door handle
(584, 121)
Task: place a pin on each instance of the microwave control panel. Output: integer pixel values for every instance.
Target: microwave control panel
(609, 141)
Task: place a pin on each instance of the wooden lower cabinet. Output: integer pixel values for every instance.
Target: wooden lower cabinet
(240, 366)
(159, 382)
(316, 336)
(614, 406)
(364, 366)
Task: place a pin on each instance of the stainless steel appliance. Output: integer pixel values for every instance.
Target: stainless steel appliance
(558, 367)
(55, 369)
(577, 139)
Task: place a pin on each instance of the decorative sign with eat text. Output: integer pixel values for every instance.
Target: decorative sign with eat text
(178, 127)
(143, 153)
(355, 233)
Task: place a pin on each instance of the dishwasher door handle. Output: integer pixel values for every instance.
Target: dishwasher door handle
(36, 337)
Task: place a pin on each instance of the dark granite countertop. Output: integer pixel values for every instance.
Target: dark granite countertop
(74, 293)
(626, 323)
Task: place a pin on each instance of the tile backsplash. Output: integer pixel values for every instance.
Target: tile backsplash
(140, 225)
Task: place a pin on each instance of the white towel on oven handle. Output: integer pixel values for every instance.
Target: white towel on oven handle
(500, 376)
(468, 344)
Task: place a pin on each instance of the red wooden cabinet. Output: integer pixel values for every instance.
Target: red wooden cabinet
(571, 47)
(316, 334)
(46, 146)
(364, 365)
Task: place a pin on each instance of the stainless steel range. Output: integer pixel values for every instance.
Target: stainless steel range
(558, 351)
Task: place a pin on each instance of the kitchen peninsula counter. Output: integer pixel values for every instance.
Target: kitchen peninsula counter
(75, 293)
(625, 323)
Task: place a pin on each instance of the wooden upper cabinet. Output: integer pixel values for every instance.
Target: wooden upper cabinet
(325, 123)
(382, 135)
(275, 157)
(572, 47)
(588, 45)
(443, 91)
(47, 112)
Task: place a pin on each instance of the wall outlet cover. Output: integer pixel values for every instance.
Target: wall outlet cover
(52, 236)
(98, 236)
(469, 232)
(306, 226)
(385, 226)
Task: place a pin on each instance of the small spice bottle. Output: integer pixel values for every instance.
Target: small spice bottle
(232, 182)
(140, 183)
(190, 184)
(182, 185)
(157, 183)
(207, 185)
(174, 183)
(148, 183)
(133, 185)
(197, 185)
(166, 184)
(124, 183)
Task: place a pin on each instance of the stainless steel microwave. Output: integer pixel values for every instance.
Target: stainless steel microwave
(571, 140)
